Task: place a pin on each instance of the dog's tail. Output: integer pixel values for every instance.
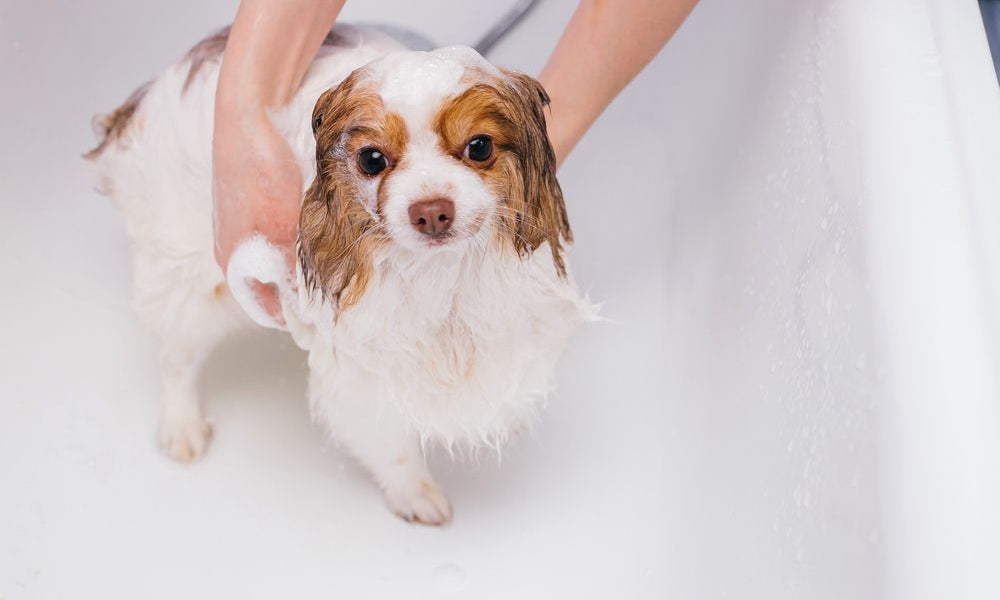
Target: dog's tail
(112, 126)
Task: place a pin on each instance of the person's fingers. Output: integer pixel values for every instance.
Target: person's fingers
(267, 297)
(291, 259)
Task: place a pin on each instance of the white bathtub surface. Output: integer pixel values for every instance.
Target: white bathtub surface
(737, 430)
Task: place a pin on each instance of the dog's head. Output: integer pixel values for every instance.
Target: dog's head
(435, 152)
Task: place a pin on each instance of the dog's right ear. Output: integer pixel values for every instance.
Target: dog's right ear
(337, 238)
(319, 111)
(337, 235)
(333, 109)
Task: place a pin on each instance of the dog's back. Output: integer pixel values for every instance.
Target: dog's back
(154, 155)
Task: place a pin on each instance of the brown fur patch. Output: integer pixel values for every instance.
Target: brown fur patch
(111, 127)
(212, 47)
(337, 235)
(207, 50)
(522, 169)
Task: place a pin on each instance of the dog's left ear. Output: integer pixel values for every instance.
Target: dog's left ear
(537, 212)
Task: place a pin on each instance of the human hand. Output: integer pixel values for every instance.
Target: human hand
(257, 189)
(257, 185)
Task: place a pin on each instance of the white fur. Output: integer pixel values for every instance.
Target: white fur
(454, 344)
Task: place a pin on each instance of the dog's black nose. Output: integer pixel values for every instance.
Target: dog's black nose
(432, 217)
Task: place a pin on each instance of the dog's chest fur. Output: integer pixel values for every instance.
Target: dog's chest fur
(463, 346)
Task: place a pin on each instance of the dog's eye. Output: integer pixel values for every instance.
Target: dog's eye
(371, 161)
(479, 149)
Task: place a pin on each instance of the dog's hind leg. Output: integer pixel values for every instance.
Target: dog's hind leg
(189, 315)
(184, 433)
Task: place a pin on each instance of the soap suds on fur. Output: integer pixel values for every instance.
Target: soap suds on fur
(413, 83)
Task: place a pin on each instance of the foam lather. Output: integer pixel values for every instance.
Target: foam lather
(256, 259)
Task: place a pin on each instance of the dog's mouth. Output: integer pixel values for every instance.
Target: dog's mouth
(441, 239)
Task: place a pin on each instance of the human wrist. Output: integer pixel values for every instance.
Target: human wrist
(239, 114)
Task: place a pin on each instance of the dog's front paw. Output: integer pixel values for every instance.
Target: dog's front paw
(185, 438)
(422, 502)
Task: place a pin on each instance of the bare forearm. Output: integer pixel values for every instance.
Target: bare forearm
(604, 46)
(270, 47)
(256, 182)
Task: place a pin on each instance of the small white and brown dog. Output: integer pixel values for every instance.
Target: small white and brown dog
(432, 291)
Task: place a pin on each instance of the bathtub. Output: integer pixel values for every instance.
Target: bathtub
(827, 270)
(790, 218)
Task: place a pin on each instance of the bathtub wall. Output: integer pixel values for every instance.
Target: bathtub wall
(926, 101)
(790, 218)
(819, 235)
